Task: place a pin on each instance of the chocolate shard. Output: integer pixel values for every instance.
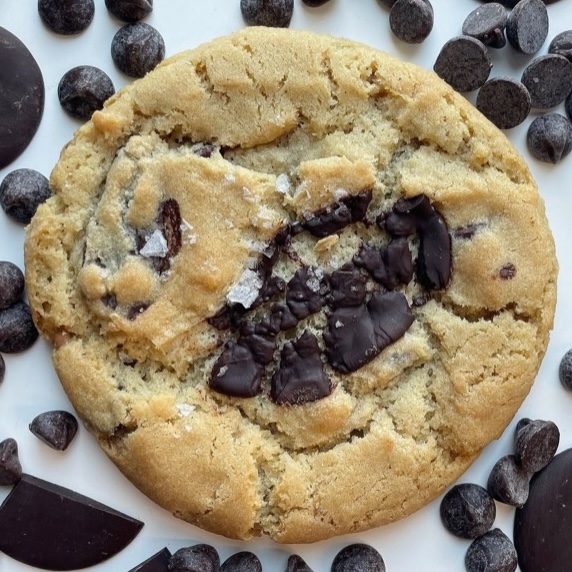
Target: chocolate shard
(347, 287)
(305, 292)
(355, 336)
(434, 259)
(300, 377)
(48, 526)
(159, 562)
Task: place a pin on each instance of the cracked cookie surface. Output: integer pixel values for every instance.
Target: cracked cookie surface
(298, 291)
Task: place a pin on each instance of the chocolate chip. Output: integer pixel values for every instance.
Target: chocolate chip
(542, 526)
(129, 10)
(273, 13)
(305, 292)
(282, 318)
(347, 287)
(169, 221)
(297, 564)
(358, 558)
(10, 467)
(48, 526)
(110, 301)
(258, 342)
(236, 372)
(434, 258)
(229, 316)
(411, 20)
(134, 311)
(548, 79)
(21, 97)
(83, 90)
(66, 16)
(504, 101)
(493, 551)
(549, 138)
(55, 428)
(536, 443)
(22, 191)
(561, 44)
(467, 232)
(508, 482)
(11, 284)
(242, 562)
(159, 562)
(527, 26)
(332, 219)
(17, 330)
(565, 370)
(467, 510)
(300, 377)
(487, 24)
(197, 558)
(508, 271)
(137, 48)
(407, 215)
(464, 63)
(356, 335)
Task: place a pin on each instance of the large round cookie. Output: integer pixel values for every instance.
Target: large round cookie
(294, 286)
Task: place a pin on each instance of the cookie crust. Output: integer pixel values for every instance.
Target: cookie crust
(284, 131)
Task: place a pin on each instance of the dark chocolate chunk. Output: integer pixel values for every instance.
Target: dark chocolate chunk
(487, 24)
(542, 526)
(2, 368)
(11, 283)
(242, 562)
(273, 13)
(305, 292)
(358, 558)
(565, 370)
(389, 265)
(261, 346)
(109, 300)
(561, 44)
(370, 259)
(10, 467)
(21, 97)
(133, 312)
(467, 232)
(55, 428)
(169, 221)
(347, 287)
(48, 526)
(282, 318)
(66, 16)
(236, 372)
(464, 63)
(159, 562)
(549, 138)
(508, 271)
(491, 552)
(332, 219)
(356, 335)
(411, 20)
(467, 510)
(83, 90)
(504, 101)
(22, 191)
(548, 79)
(407, 215)
(197, 558)
(315, 3)
(137, 48)
(300, 377)
(297, 564)
(129, 10)
(527, 26)
(434, 259)
(508, 482)
(227, 317)
(17, 329)
(535, 444)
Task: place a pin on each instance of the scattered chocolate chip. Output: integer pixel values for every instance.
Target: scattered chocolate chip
(504, 101)
(358, 558)
(11, 284)
(347, 287)
(242, 562)
(66, 16)
(300, 377)
(536, 443)
(356, 335)
(508, 482)
(133, 312)
(411, 20)
(159, 562)
(561, 44)
(548, 79)
(21, 97)
(137, 48)
(467, 510)
(273, 13)
(542, 526)
(434, 258)
(493, 552)
(48, 526)
(297, 564)
(305, 292)
(21, 192)
(10, 467)
(55, 428)
(549, 138)
(197, 558)
(508, 271)
(83, 90)
(110, 301)
(464, 63)
(527, 26)
(468, 232)
(487, 24)
(565, 370)
(129, 10)
(17, 330)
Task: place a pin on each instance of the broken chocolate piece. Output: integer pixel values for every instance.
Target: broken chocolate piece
(407, 215)
(357, 335)
(434, 260)
(259, 344)
(55, 428)
(347, 287)
(305, 292)
(282, 318)
(10, 467)
(159, 562)
(300, 378)
(48, 526)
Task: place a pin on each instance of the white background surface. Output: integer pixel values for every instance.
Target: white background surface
(31, 387)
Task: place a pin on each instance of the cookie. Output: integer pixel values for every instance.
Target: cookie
(292, 292)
